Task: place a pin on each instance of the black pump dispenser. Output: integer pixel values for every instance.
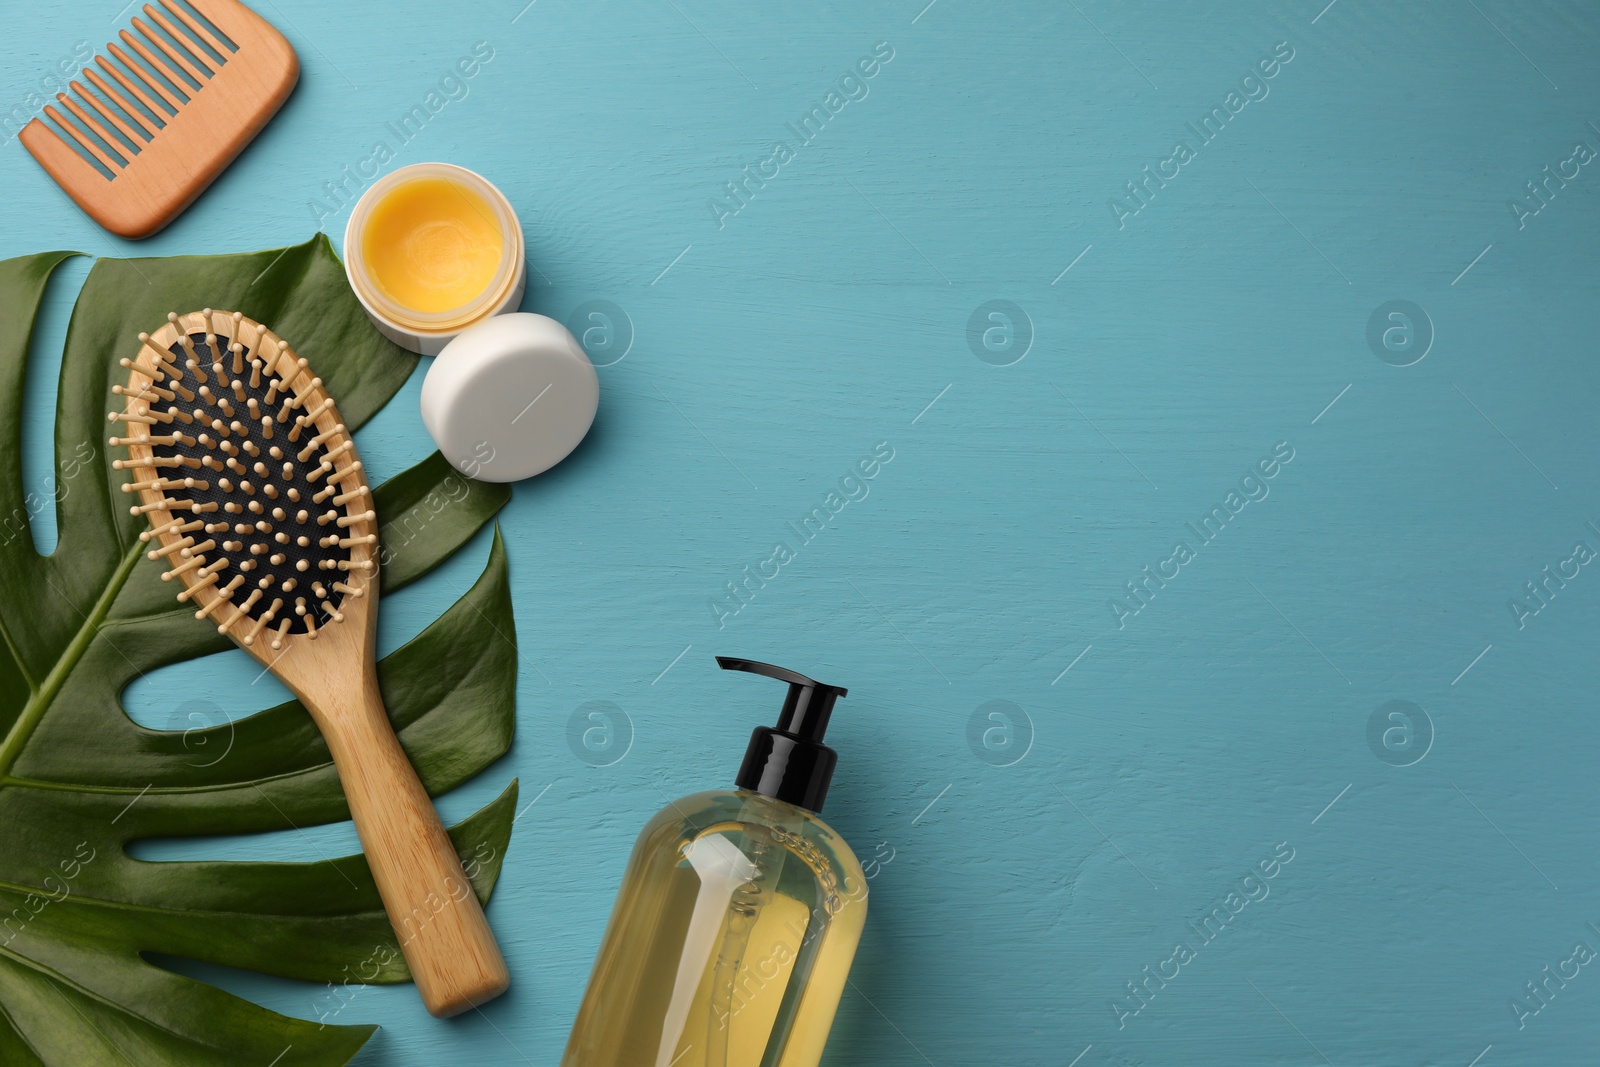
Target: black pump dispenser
(789, 762)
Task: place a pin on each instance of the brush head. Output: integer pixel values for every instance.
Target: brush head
(256, 500)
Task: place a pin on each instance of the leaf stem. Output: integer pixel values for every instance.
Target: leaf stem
(28, 721)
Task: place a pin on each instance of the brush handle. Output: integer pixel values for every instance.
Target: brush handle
(431, 903)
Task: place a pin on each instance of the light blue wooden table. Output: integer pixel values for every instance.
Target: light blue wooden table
(1060, 775)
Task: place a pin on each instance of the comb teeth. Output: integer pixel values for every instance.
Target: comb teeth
(187, 91)
(205, 524)
(156, 78)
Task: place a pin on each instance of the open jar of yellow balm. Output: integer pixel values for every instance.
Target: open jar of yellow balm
(432, 249)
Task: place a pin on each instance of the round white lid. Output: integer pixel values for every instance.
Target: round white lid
(510, 397)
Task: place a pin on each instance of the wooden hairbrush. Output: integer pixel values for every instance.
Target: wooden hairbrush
(260, 509)
(181, 137)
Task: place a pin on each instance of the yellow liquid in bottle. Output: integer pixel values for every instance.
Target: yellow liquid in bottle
(729, 944)
(432, 245)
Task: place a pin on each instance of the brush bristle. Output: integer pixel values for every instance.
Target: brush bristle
(250, 481)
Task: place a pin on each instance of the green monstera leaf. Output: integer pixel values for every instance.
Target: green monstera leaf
(79, 780)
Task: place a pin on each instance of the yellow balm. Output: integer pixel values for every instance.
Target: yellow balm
(432, 244)
(432, 250)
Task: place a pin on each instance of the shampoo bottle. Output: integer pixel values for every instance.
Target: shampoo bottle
(738, 916)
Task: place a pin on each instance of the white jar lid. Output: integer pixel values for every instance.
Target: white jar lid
(510, 397)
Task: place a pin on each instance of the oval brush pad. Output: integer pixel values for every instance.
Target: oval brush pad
(256, 498)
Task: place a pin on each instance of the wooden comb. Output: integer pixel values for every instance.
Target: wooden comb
(171, 139)
(260, 508)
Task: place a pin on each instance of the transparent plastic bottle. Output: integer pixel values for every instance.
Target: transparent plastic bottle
(738, 917)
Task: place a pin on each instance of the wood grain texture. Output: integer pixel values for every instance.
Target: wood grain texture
(774, 352)
(431, 904)
(237, 96)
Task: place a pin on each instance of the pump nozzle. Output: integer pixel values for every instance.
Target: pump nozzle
(789, 761)
(810, 702)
